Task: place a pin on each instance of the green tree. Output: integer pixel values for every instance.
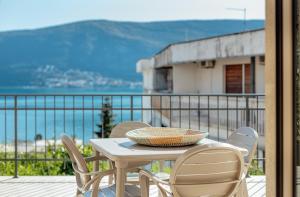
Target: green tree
(38, 136)
(106, 119)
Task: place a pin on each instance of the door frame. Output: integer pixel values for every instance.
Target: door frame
(279, 99)
(295, 4)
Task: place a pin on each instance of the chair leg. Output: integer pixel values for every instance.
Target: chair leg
(78, 193)
(95, 188)
(172, 164)
(161, 192)
(161, 165)
(144, 181)
(242, 190)
(110, 179)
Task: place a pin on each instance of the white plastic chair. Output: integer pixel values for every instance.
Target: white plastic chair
(206, 170)
(119, 131)
(122, 128)
(88, 182)
(245, 137)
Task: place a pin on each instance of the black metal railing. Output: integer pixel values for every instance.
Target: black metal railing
(31, 124)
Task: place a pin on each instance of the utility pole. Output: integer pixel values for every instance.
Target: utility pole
(244, 10)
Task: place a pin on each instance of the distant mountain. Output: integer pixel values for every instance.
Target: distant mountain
(96, 53)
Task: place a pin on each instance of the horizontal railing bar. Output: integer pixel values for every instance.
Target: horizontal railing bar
(86, 108)
(51, 159)
(131, 94)
(33, 159)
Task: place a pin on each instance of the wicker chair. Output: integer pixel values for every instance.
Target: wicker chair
(206, 170)
(119, 131)
(88, 182)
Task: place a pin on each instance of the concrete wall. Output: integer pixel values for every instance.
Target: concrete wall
(234, 45)
(210, 80)
(185, 58)
(146, 67)
(192, 78)
(259, 77)
(148, 79)
(184, 78)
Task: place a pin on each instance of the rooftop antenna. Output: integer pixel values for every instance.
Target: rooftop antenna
(244, 10)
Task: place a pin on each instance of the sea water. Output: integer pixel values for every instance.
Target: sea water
(49, 116)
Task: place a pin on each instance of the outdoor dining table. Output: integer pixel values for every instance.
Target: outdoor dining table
(123, 150)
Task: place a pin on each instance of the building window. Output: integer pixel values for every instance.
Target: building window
(164, 79)
(239, 79)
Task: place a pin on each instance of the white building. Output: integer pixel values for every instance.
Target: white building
(228, 64)
(231, 63)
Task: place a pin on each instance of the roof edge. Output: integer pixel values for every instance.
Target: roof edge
(206, 38)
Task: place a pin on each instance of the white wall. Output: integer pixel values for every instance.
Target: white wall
(233, 45)
(259, 77)
(184, 78)
(212, 80)
(148, 79)
(192, 78)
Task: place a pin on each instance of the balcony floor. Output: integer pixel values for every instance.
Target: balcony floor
(35, 186)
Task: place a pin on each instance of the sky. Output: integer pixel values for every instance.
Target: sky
(31, 14)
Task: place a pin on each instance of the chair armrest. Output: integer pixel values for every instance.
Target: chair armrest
(151, 176)
(133, 170)
(94, 173)
(156, 180)
(247, 165)
(95, 158)
(96, 179)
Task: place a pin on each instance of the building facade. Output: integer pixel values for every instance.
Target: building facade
(225, 64)
(217, 72)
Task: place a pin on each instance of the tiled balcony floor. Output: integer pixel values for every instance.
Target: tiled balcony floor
(65, 186)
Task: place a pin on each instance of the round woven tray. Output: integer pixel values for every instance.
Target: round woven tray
(160, 136)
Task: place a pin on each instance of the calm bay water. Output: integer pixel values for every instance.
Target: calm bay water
(51, 123)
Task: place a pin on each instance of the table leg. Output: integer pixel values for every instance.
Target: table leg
(96, 162)
(121, 180)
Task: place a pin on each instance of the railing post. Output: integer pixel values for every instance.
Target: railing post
(263, 163)
(247, 112)
(16, 136)
(131, 108)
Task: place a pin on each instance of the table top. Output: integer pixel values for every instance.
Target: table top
(118, 149)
